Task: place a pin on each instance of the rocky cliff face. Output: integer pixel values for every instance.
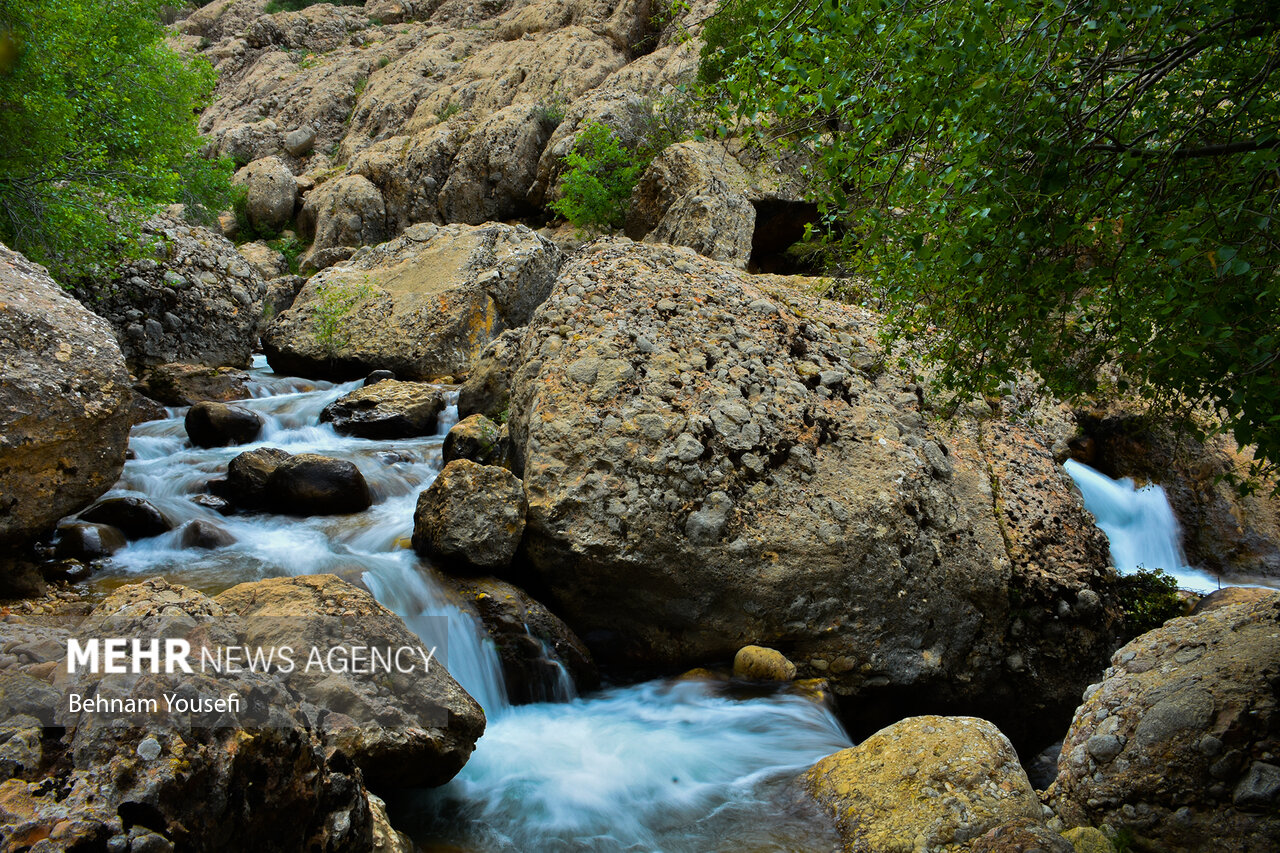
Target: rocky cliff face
(65, 402)
(713, 459)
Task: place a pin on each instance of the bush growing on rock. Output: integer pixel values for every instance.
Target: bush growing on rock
(598, 184)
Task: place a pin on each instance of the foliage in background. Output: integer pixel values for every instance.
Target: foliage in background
(1066, 183)
(98, 118)
(1149, 598)
(599, 179)
(602, 170)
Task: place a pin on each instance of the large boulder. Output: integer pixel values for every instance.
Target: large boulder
(191, 297)
(713, 460)
(65, 402)
(347, 211)
(471, 516)
(1178, 742)
(311, 484)
(403, 729)
(537, 649)
(495, 166)
(222, 779)
(711, 219)
(186, 384)
(271, 192)
(695, 194)
(925, 783)
(422, 305)
(387, 409)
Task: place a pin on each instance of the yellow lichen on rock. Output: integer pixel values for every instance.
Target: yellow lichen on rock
(923, 784)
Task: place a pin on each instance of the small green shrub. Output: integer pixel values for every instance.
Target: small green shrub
(292, 248)
(1149, 598)
(448, 111)
(331, 311)
(600, 177)
(551, 111)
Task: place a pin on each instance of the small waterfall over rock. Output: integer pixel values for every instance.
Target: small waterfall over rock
(662, 766)
(1140, 526)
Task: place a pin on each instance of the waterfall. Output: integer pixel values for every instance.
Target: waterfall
(663, 766)
(1140, 527)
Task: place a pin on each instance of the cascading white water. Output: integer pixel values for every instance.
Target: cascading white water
(658, 767)
(1140, 526)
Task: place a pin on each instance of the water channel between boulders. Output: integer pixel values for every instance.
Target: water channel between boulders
(661, 766)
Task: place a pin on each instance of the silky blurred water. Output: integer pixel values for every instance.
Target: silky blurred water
(662, 766)
(1142, 529)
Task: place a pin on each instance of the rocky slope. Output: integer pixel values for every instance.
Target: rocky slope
(191, 298)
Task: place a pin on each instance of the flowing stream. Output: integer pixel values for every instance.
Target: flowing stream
(667, 766)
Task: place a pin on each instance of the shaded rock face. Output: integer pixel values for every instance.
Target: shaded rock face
(487, 390)
(1178, 741)
(218, 424)
(225, 786)
(937, 782)
(65, 402)
(471, 516)
(1222, 530)
(712, 460)
(195, 299)
(387, 409)
(423, 305)
(533, 643)
(311, 484)
(188, 384)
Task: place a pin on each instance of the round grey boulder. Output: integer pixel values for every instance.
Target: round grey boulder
(471, 517)
(476, 438)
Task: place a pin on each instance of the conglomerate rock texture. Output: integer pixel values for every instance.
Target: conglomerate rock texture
(713, 460)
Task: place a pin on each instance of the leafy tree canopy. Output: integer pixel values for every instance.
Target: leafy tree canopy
(1067, 184)
(98, 118)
